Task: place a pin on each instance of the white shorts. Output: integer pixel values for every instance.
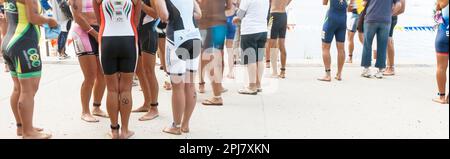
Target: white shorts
(184, 58)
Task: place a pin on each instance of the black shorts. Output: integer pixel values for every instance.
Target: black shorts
(148, 38)
(393, 24)
(163, 27)
(277, 25)
(253, 47)
(119, 54)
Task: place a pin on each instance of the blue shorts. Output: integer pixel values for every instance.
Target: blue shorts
(442, 41)
(334, 28)
(214, 37)
(231, 28)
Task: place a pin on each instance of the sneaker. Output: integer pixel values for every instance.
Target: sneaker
(366, 73)
(379, 74)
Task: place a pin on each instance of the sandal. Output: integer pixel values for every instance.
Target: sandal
(247, 91)
(210, 102)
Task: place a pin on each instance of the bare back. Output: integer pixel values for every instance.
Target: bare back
(279, 6)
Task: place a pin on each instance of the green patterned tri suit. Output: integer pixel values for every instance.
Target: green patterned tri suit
(21, 44)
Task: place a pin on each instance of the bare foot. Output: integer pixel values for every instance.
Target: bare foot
(172, 130)
(126, 134)
(338, 77)
(349, 60)
(37, 135)
(141, 109)
(150, 115)
(440, 100)
(20, 131)
(89, 118)
(389, 72)
(325, 79)
(282, 75)
(114, 134)
(100, 113)
(185, 130)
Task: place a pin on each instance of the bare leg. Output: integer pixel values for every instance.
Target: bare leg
(125, 103)
(215, 74)
(351, 46)
(88, 66)
(390, 58)
(143, 80)
(260, 72)
(341, 59)
(273, 55)
(326, 61)
(252, 74)
(28, 89)
(99, 91)
(231, 58)
(191, 98)
(149, 64)
(441, 76)
(282, 46)
(178, 104)
(14, 102)
(112, 101)
(268, 52)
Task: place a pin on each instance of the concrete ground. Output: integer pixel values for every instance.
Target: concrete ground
(298, 107)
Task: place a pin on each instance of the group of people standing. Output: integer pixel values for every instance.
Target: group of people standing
(115, 40)
(377, 18)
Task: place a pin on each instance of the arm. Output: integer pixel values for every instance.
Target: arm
(138, 9)
(33, 15)
(242, 11)
(75, 7)
(350, 6)
(149, 10)
(402, 8)
(441, 4)
(161, 9)
(229, 5)
(197, 11)
(396, 8)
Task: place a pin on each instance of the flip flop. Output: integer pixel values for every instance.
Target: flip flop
(247, 91)
(211, 103)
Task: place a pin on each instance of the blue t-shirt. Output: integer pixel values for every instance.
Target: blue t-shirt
(380, 11)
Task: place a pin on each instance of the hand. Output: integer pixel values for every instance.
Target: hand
(94, 34)
(236, 20)
(52, 23)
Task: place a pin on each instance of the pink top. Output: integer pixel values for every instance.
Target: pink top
(87, 6)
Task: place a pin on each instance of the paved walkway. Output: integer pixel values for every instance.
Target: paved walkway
(297, 107)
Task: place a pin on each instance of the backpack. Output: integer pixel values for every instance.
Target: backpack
(65, 9)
